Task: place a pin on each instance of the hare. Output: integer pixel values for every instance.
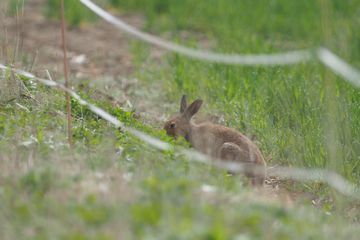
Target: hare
(216, 141)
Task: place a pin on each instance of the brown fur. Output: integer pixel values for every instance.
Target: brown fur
(217, 141)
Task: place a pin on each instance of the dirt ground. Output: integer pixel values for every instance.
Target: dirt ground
(94, 50)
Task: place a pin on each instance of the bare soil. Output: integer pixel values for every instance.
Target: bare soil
(94, 50)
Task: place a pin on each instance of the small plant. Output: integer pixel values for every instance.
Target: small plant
(37, 183)
(15, 6)
(75, 12)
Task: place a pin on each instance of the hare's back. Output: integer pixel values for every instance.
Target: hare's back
(224, 133)
(227, 135)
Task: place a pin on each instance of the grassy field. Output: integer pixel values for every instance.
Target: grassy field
(112, 186)
(285, 107)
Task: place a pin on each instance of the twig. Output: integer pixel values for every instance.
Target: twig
(33, 61)
(67, 85)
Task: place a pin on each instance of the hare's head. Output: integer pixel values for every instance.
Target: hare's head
(179, 125)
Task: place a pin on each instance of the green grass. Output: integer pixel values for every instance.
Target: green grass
(287, 108)
(75, 13)
(48, 191)
(112, 186)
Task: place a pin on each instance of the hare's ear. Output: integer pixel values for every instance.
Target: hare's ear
(193, 108)
(183, 104)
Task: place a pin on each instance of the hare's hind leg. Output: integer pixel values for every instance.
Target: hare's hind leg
(232, 152)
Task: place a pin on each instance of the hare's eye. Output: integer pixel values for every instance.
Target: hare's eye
(172, 125)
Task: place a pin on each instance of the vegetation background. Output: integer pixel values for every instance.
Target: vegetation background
(111, 186)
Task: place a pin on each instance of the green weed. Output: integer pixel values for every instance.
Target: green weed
(284, 107)
(113, 186)
(75, 12)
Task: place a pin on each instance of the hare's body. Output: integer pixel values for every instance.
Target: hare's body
(225, 143)
(209, 139)
(217, 141)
